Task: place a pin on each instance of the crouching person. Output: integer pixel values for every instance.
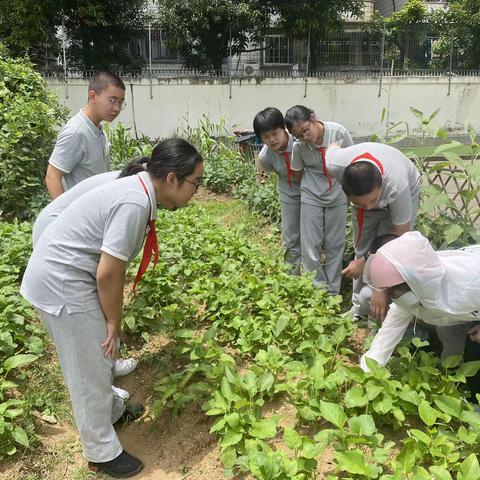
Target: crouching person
(441, 288)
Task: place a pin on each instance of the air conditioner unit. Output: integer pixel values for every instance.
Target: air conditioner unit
(250, 69)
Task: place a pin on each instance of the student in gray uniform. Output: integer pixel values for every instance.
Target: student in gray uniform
(75, 280)
(82, 149)
(383, 186)
(59, 204)
(276, 156)
(50, 213)
(324, 205)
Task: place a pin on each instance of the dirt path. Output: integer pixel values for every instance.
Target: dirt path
(171, 448)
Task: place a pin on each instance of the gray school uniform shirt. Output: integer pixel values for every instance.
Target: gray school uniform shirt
(400, 178)
(57, 206)
(81, 150)
(111, 218)
(275, 162)
(315, 186)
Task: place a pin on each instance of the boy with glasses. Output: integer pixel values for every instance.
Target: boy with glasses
(82, 149)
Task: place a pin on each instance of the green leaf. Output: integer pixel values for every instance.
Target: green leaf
(228, 456)
(469, 369)
(233, 419)
(218, 425)
(232, 437)
(333, 413)
(467, 436)
(422, 436)
(291, 467)
(450, 405)
(373, 390)
(427, 413)
(20, 436)
(384, 404)
(362, 425)
(355, 397)
(317, 371)
(282, 322)
(453, 233)
(18, 361)
(440, 473)
(406, 459)
(446, 147)
(452, 361)
(292, 439)
(265, 381)
(469, 469)
(226, 390)
(352, 461)
(264, 429)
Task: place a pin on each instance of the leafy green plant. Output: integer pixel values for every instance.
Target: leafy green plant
(123, 147)
(21, 341)
(29, 115)
(250, 336)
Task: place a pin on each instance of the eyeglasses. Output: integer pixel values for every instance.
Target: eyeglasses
(112, 101)
(196, 185)
(305, 131)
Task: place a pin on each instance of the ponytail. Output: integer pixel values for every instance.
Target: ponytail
(134, 167)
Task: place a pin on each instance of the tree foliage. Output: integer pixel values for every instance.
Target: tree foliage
(200, 29)
(458, 23)
(98, 31)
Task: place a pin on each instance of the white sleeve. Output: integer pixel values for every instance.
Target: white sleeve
(388, 337)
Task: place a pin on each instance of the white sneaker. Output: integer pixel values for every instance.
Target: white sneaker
(124, 367)
(120, 392)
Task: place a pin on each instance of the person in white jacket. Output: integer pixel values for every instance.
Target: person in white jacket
(441, 288)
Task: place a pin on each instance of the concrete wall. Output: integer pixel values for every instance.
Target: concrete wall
(352, 102)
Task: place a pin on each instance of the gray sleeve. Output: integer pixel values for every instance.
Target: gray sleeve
(297, 158)
(401, 208)
(347, 138)
(266, 160)
(68, 151)
(124, 230)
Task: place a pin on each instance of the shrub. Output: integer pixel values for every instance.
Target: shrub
(29, 114)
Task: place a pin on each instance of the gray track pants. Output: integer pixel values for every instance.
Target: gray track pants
(291, 234)
(88, 375)
(323, 229)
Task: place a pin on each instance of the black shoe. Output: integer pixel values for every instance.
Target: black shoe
(131, 413)
(123, 466)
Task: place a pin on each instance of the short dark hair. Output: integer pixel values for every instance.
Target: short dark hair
(267, 120)
(298, 113)
(360, 178)
(381, 240)
(173, 155)
(104, 79)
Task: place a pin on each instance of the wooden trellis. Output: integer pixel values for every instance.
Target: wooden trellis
(451, 182)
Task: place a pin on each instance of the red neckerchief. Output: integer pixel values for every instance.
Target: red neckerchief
(324, 167)
(151, 245)
(289, 167)
(365, 157)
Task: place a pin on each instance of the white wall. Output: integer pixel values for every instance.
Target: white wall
(352, 102)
